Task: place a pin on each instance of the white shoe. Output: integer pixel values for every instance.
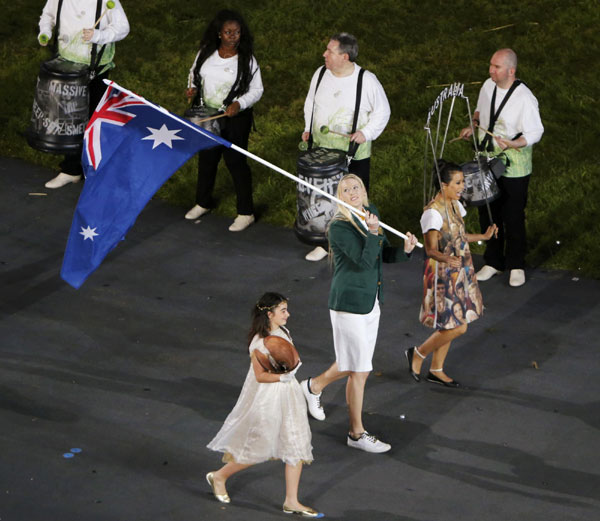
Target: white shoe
(195, 212)
(517, 278)
(368, 443)
(486, 273)
(241, 222)
(317, 254)
(313, 401)
(62, 179)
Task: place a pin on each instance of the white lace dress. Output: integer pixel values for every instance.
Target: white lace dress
(269, 421)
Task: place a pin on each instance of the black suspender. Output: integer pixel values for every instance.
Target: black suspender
(353, 147)
(487, 140)
(93, 61)
(57, 27)
(310, 138)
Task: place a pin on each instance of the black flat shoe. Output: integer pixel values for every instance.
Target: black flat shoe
(435, 380)
(409, 357)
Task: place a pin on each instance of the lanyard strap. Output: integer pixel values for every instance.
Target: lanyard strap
(312, 115)
(487, 140)
(57, 29)
(353, 147)
(93, 61)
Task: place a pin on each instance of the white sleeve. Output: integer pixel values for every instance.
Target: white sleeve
(483, 104)
(258, 343)
(309, 101)
(48, 18)
(531, 121)
(380, 113)
(113, 27)
(461, 209)
(431, 220)
(255, 91)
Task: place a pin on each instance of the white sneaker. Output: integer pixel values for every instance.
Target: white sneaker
(195, 212)
(313, 401)
(368, 443)
(317, 254)
(486, 273)
(517, 278)
(241, 222)
(62, 179)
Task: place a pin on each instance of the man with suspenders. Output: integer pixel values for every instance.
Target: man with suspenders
(508, 109)
(335, 92)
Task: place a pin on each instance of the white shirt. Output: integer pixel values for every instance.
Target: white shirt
(218, 76)
(433, 220)
(334, 105)
(521, 114)
(76, 15)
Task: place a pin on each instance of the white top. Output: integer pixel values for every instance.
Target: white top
(77, 15)
(218, 76)
(334, 107)
(433, 220)
(520, 114)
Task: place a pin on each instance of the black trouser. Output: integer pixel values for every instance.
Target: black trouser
(71, 164)
(508, 212)
(236, 130)
(362, 169)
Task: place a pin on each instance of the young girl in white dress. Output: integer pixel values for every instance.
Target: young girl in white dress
(269, 420)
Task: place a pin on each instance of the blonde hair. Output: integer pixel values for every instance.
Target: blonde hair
(343, 213)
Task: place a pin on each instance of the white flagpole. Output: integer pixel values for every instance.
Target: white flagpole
(256, 158)
(318, 190)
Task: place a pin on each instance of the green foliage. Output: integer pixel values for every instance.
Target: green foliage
(414, 48)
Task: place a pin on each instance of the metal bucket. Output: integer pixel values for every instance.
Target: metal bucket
(60, 107)
(322, 168)
(197, 113)
(480, 185)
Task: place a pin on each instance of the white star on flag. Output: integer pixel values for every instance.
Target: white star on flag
(162, 135)
(88, 233)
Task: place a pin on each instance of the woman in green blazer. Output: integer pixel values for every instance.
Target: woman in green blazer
(358, 247)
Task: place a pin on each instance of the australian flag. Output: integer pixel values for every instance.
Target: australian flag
(130, 149)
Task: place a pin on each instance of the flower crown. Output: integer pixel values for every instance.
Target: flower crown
(267, 308)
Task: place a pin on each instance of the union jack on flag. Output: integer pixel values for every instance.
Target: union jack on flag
(111, 111)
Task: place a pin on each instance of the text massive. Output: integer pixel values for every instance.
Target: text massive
(64, 89)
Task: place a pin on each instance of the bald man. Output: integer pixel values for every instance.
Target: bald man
(516, 128)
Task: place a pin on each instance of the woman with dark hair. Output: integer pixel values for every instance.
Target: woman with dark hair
(226, 77)
(457, 314)
(446, 246)
(358, 247)
(269, 420)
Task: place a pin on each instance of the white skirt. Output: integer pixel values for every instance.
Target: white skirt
(269, 421)
(354, 338)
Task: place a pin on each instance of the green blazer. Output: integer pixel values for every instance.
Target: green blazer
(357, 265)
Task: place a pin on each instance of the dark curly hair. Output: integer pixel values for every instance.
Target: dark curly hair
(210, 43)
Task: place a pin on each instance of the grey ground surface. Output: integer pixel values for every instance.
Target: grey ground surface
(140, 367)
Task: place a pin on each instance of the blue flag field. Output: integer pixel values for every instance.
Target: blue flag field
(130, 149)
